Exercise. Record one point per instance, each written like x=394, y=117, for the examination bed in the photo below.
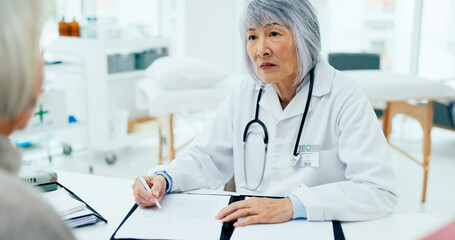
x=174, y=85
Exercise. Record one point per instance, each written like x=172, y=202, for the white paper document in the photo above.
x=62, y=202
x=72, y=223
x=80, y=218
x=295, y=229
x=182, y=216
x=74, y=212
x=84, y=212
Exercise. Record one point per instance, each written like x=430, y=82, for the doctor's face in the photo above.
x=272, y=51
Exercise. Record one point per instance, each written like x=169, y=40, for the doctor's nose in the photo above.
x=263, y=53
x=263, y=49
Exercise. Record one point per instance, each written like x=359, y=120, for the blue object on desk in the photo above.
x=53, y=62
x=72, y=119
x=24, y=144
x=33, y=139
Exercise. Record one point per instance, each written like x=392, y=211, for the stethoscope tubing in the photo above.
x=307, y=106
x=266, y=136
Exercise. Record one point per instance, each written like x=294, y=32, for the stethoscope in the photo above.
x=295, y=155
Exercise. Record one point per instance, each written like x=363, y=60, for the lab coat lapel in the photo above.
x=270, y=101
x=297, y=104
x=323, y=77
x=324, y=74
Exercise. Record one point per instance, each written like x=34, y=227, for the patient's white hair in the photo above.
x=20, y=28
x=299, y=16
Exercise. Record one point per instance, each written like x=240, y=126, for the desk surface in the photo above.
x=112, y=198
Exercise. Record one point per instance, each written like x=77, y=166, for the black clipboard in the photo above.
x=98, y=216
x=228, y=227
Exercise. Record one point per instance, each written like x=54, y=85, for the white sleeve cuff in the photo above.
x=314, y=210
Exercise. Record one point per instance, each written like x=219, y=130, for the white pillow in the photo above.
x=178, y=72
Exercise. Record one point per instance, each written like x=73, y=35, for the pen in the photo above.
x=134, y=167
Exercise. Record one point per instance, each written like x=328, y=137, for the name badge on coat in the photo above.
x=308, y=157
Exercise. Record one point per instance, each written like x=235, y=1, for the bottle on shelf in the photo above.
x=63, y=28
x=74, y=28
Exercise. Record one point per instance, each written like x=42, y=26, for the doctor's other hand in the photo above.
x=257, y=210
x=145, y=199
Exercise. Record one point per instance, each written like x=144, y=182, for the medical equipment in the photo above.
x=295, y=157
x=87, y=60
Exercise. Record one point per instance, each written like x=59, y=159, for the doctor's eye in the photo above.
x=274, y=34
x=252, y=37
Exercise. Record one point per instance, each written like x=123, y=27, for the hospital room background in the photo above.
x=137, y=80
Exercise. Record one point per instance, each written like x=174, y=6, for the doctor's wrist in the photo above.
x=162, y=179
x=168, y=180
x=288, y=208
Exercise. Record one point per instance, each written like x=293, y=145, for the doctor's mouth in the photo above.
x=267, y=66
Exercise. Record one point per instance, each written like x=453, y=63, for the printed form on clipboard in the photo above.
x=192, y=216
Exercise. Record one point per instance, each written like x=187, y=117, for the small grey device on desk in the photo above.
x=34, y=176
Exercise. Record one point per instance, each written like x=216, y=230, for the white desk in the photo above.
x=398, y=225
x=112, y=198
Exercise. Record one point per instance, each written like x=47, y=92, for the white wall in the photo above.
x=208, y=29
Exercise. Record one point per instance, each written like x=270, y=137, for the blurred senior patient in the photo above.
x=23, y=214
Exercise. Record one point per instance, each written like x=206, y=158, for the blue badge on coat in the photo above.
x=308, y=157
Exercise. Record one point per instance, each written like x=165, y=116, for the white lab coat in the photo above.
x=355, y=178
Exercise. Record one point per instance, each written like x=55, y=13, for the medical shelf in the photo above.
x=126, y=75
x=65, y=68
x=73, y=44
x=107, y=91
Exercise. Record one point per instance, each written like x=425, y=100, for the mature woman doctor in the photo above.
x=300, y=129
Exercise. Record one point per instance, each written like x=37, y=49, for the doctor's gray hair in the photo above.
x=20, y=29
x=299, y=16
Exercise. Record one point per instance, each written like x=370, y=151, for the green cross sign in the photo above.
x=308, y=148
x=41, y=113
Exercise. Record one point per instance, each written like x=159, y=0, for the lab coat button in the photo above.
x=276, y=177
x=280, y=134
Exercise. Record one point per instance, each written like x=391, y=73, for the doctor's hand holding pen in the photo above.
x=145, y=198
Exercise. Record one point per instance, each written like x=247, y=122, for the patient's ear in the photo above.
x=9, y=125
x=22, y=120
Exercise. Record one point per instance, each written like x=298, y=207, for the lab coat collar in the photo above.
x=324, y=74
x=270, y=101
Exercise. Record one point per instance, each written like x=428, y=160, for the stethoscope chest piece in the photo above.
x=294, y=160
